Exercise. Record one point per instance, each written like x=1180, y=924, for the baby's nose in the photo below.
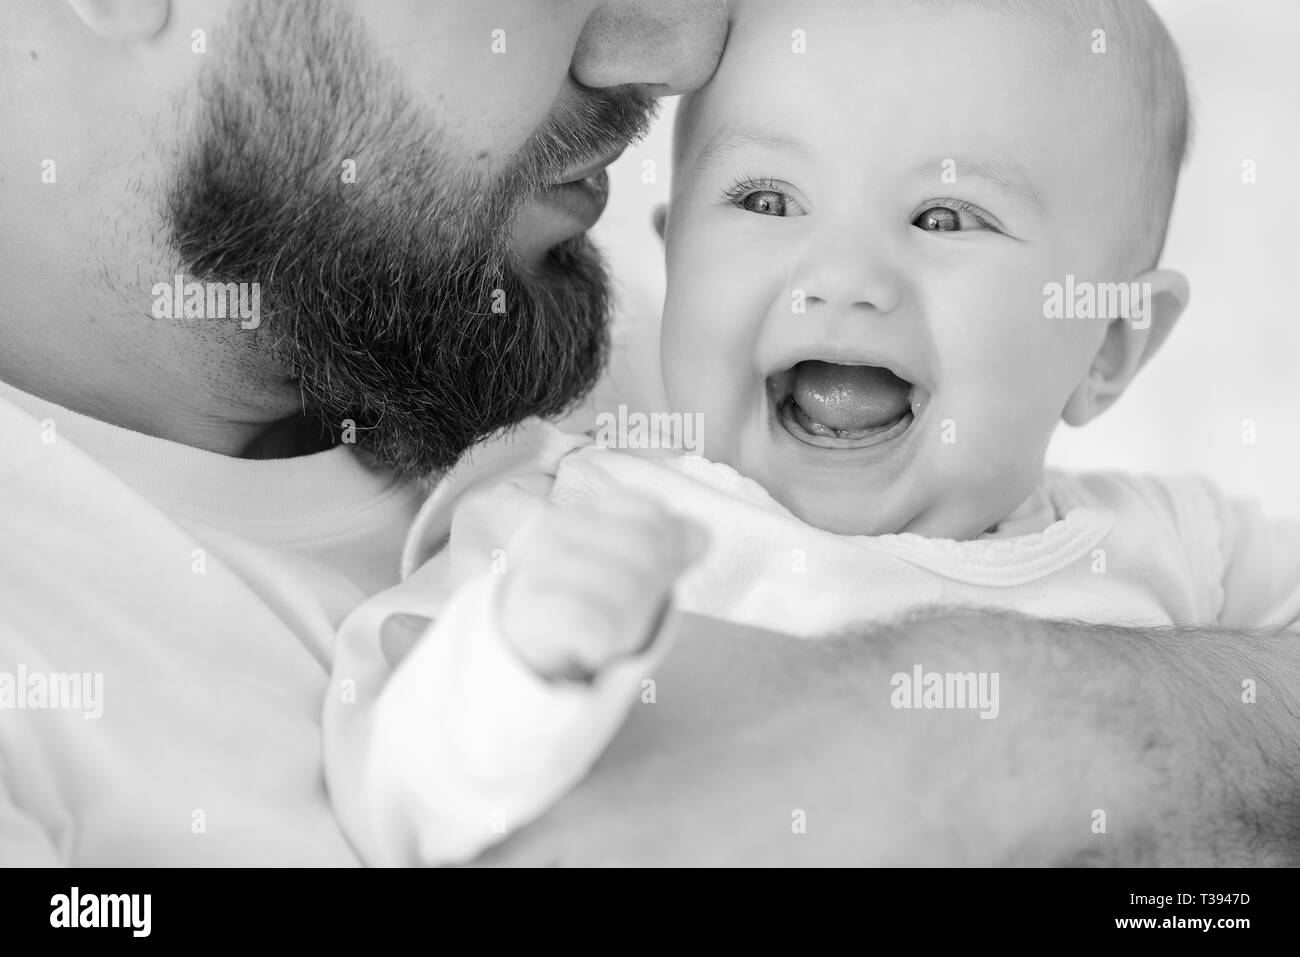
x=846, y=278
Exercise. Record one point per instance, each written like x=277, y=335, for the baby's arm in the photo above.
x=504, y=702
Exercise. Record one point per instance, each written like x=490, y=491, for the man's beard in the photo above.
x=393, y=300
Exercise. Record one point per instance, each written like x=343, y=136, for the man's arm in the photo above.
x=760, y=749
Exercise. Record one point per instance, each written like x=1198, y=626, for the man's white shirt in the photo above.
x=203, y=594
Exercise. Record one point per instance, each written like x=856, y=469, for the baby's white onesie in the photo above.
x=435, y=752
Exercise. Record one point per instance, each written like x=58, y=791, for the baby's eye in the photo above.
x=765, y=199
x=768, y=202
x=954, y=218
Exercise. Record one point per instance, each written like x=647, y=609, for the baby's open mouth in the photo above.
x=835, y=406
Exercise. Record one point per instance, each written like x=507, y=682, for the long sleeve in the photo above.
x=461, y=743
x=436, y=750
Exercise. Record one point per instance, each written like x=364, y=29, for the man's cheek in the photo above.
x=489, y=96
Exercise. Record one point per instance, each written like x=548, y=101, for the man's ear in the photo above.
x=660, y=219
x=1130, y=342
x=123, y=19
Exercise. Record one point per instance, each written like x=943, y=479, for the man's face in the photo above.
x=411, y=184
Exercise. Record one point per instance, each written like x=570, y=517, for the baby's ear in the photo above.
x=1130, y=342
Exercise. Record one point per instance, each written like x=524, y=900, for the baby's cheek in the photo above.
x=988, y=438
x=709, y=333
x=687, y=341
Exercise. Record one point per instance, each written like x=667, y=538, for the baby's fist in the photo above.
x=593, y=583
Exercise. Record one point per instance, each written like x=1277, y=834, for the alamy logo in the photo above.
x=1098, y=300
x=654, y=430
x=102, y=910
x=53, y=691
x=179, y=299
x=976, y=691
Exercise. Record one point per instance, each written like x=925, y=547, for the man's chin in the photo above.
x=417, y=390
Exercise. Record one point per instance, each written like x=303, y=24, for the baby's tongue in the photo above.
x=849, y=398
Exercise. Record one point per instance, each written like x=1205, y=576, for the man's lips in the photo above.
x=582, y=200
x=554, y=214
x=590, y=167
x=582, y=191
x=563, y=208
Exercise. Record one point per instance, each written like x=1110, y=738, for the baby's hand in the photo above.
x=594, y=582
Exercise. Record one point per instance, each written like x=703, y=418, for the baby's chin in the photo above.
x=878, y=480
x=883, y=483
x=845, y=500
x=841, y=518
x=857, y=501
x=873, y=487
x=856, y=514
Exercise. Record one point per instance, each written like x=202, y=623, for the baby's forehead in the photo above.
x=878, y=71
x=827, y=67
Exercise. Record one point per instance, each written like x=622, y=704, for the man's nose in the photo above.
x=659, y=47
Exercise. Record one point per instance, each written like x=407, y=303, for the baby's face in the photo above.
x=857, y=248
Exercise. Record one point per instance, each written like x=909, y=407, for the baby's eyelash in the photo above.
x=977, y=213
x=737, y=191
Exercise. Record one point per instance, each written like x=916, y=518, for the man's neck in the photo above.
x=287, y=437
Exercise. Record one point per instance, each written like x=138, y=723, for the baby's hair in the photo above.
x=1158, y=112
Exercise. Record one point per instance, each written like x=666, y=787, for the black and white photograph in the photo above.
x=650, y=434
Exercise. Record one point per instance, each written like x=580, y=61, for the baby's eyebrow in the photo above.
x=733, y=137
x=1004, y=175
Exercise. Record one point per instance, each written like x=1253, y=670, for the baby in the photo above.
x=906, y=239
